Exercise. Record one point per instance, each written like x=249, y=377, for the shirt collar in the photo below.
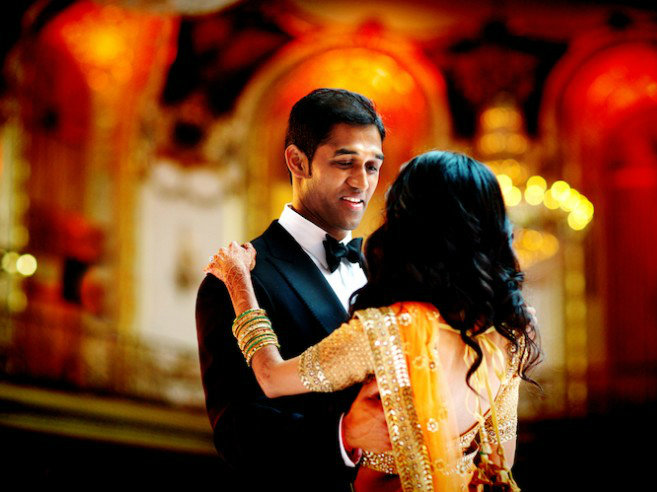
x=309, y=236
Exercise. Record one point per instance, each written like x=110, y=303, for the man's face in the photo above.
x=343, y=176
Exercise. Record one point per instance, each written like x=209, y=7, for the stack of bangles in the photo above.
x=253, y=331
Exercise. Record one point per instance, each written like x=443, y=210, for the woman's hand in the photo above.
x=231, y=264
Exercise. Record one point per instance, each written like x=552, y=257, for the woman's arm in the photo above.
x=233, y=265
x=337, y=362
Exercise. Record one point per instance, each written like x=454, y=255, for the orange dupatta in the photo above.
x=415, y=397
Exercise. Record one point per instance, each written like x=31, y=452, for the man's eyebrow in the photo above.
x=352, y=152
x=344, y=152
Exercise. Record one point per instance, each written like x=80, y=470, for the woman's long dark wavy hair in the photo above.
x=447, y=241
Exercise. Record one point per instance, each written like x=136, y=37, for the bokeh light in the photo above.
x=558, y=196
x=26, y=265
x=9, y=260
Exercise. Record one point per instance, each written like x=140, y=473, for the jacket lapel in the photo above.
x=304, y=277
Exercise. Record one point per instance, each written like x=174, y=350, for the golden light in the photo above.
x=505, y=182
x=534, y=246
x=492, y=118
x=534, y=194
x=511, y=167
x=517, y=144
x=560, y=191
x=16, y=301
x=9, y=260
x=538, y=181
x=575, y=283
x=114, y=47
x=549, y=201
x=559, y=195
x=581, y=215
x=572, y=202
x=576, y=222
x=105, y=45
x=532, y=240
x=576, y=310
x=100, y=41
x=21, y=235
x=500, y=117
x=492, y=143
x=377, y=74
x=550, y=245
x=513, y=196
x=26, y=265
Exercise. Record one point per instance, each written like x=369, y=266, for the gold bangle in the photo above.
x=247, y=323
x=256, y=348
x=246, y=316
x=244, y=340
x=245, y=330
x=253, y=331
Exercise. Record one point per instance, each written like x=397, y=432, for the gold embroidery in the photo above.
x=419, y=361
x=507, y=413
x=381, y=462
x=440, y=466
x=506, y=403
x=409, y=450
x=310, y=371
x=371, y=343
x=339, y=361
x=405, y=319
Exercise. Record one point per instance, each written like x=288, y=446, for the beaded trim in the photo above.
x=381, y=462
x=310, y=371
x=410, y=452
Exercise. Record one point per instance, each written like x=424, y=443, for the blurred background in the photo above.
x=138, y=136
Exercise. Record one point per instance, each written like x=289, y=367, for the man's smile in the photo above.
x=353, y=202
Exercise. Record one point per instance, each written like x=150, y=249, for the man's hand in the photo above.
x=364, y=426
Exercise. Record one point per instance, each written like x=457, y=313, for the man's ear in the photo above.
x=297, y=162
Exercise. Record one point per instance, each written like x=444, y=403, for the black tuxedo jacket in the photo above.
x=291, y=442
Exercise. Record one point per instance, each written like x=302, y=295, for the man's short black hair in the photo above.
x=313, y=117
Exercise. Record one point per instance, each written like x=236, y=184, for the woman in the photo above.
x=441, y=324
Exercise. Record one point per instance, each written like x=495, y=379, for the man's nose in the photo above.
x=358, y=178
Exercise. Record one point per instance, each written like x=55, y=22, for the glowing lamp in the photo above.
x=26, y=265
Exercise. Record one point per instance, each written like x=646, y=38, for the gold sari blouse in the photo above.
x=399, y=345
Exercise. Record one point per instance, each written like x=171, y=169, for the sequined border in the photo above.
x=409, y=450
x=310, y=371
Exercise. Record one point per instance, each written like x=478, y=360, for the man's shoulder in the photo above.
x=273, y=233
x=276, y=241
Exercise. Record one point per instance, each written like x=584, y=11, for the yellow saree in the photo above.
x=400, y=346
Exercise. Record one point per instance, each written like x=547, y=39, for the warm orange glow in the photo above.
x=606, y=87
x=114, y=47
x=534, y=246
x=362, y=70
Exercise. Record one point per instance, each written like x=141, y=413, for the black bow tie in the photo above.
x=335, y=251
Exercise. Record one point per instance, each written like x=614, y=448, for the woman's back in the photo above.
x=421, y=365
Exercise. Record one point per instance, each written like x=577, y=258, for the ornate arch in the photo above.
x=599, y=120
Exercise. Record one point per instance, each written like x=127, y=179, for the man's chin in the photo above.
x=352, y=224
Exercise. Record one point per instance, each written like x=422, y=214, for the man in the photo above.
x=307, y=267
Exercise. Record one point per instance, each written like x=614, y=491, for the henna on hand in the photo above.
x=232, y=265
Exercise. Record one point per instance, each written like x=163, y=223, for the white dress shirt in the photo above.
x=347, y=278
x=344, y=281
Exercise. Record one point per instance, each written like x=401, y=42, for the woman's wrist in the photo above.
x=241, y=291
